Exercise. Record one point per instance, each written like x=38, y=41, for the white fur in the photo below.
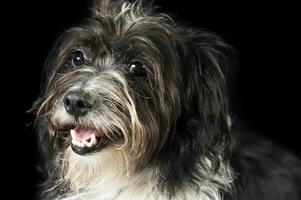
x=103, y=176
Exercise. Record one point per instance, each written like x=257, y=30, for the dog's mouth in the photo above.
x=86, y=140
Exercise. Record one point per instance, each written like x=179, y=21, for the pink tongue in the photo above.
x=81, y=134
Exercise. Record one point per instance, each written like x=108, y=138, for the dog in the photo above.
x=134, y=106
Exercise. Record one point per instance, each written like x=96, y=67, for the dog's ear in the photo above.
x=46, y=75
x=205, y=62
x=40, y=124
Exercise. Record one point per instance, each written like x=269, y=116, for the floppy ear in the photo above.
x=43, y=140
x=206, y=58
x=51, y=63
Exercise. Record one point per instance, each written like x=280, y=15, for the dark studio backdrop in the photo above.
x=264, y=86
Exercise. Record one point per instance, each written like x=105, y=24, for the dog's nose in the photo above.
x=77, y=103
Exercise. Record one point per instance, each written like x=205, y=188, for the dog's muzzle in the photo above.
x=84, y=139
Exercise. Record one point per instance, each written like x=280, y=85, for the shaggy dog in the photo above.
x=135, y=107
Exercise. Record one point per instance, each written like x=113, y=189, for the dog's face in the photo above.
x=134, y=80
x=114, y=84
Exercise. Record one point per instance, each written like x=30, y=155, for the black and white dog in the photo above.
x=135, y=107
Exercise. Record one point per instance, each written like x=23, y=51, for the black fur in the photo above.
x=264, y=170
x=183, y=96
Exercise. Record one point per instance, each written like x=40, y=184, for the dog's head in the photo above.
x=135, y=80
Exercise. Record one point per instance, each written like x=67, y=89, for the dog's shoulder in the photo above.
x=264, y=170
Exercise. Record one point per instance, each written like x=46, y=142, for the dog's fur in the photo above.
x=168, y=133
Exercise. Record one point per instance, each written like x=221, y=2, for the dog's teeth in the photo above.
x=77, y=143
x=85, y=143
x=91, y=142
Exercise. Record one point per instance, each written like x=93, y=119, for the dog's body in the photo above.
x=135, y=107
x=263, y=170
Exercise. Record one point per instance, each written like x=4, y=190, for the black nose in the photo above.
x=77, y=103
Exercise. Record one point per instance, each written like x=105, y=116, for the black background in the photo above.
x=264, y=92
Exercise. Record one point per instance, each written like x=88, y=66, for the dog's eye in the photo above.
x=137, y=69
x=78, y=59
